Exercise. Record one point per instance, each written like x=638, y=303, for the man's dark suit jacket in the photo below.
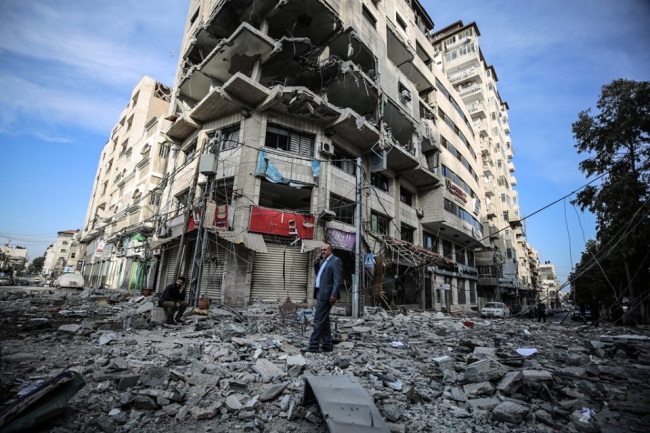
x=330, y=279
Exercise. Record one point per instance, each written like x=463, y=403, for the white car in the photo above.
x=70, y=280
x=495, y=309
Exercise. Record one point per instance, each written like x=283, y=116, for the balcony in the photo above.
x=468, y=90
x=465, y=74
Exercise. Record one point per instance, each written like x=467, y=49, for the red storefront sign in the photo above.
x=277, y=222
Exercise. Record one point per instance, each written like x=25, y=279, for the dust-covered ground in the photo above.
x=242, y=370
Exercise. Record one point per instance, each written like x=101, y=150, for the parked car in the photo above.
x=6, y=279
x=577, y=314
x=70, y=280
x=495, y=309
x=38, y=280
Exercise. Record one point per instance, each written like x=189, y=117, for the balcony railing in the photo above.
x=469, y=90
x=463, y=74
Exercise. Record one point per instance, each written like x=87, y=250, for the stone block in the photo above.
x=158, y=315
x=511, y=382
x=474, y=389
x=69, y=328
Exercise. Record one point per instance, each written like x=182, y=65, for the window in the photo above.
x=430, y=242
x=164, y=150
x=223, y=191
x=154, y=198
x=472, y=292
x=72, y=255
x=447, y=249
x=460, y=256
x=463, y=214
x=290, y=141
x=189, y=153
x=343, y=208
x=404, y=92
x=470, y=257
x=405, y=196
x=379, y=180
x=400, y=21
x=462, y=296
x=228, y=138
x=183, y=200
x=369, y=16
x=407, y=232
x=344, y=161
x=63, y=250
x=379, y=223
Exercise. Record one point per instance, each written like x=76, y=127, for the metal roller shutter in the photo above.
x=169, y=264
x=280, y=273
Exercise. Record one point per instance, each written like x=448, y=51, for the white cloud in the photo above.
x=77, y=62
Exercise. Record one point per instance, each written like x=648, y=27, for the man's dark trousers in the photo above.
x=322, y=328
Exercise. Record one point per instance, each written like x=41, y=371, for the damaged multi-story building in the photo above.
x=295, y=123
x=281, y=99
x=508, y=265
x=123, y=208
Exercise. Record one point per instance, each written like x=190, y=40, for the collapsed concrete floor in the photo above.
x=242, y=370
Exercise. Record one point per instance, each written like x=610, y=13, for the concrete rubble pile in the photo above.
x=242, y=370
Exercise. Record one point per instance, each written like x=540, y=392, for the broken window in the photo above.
x=228, y=139
x=223, y=192
x=189, y=152
x=164, y=150
x=183, y=200
x=404, y=93
x=379, y=180
x=405, y=196
x=290, y=141
x=379, y=223
x=344, y=161
x=343, y=208
x=406, y=233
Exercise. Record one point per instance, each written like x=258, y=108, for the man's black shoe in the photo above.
x=309, y=350
x=171, y=323
x=328, y=349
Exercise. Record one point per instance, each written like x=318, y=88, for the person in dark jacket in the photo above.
x=173, y=301
x=541, y=312
x=328, y=281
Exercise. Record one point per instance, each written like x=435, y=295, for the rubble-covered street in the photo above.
x=231, y=371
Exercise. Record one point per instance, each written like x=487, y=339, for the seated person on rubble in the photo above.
x=173, y=301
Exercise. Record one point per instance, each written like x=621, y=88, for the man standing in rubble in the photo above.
x=173, y=301
x=328, y=280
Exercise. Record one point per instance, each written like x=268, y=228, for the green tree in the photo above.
x=37, y=265
x=616, y=141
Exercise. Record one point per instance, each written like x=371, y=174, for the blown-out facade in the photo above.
x=296, y=123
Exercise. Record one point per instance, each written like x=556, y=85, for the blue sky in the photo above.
x=69, y=67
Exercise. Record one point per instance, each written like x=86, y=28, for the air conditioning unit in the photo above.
x=326, y=148
x=419, y=212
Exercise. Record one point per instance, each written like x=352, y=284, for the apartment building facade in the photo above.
x=549, y=285
x=269, y=116
x=63, y=255
x=508, y=265
x=124, y=206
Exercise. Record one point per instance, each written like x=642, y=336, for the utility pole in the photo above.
x=357, y=244
x=207, y=167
